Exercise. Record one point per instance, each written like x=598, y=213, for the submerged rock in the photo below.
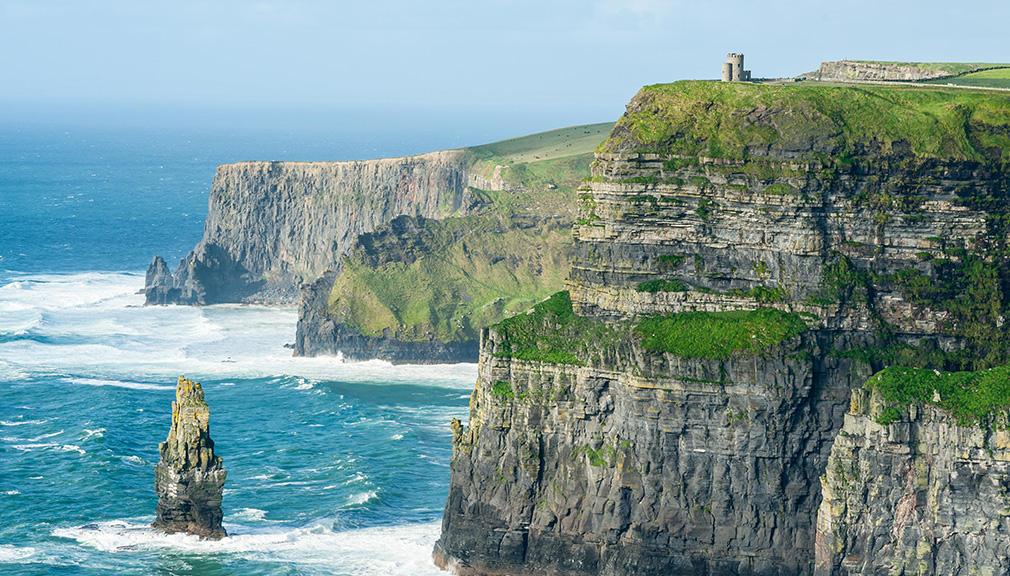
x=189, y=479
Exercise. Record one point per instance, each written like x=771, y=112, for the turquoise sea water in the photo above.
x=333, y=468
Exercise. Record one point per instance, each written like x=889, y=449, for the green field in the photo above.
x=703, y=118
x=553, y=144
x=999, y=78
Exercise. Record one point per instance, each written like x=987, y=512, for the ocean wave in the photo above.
x=403, y=550
x=21, y=422
x=119, y=384
x=10, y=553
x=49, y=446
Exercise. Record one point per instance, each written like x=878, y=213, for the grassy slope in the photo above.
x=703, y=118
x=999, y=78
x=571, y=141
x=477, y=269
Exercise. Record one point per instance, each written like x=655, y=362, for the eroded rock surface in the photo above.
x=916, y=495
x=189, y=479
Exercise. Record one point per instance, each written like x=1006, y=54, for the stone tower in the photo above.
x=735, y=60
x=732, y=69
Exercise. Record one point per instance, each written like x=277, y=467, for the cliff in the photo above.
x=272, y=225
x=420, y=289
x=919, y=487
x=402, y=259
x=745, y=255
x=867, y=71
x=189, y=478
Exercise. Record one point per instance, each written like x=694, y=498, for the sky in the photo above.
x=560, y=61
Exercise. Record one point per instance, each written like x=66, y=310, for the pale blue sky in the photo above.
x=585, y=57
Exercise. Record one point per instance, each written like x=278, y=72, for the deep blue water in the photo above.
x=333, y=468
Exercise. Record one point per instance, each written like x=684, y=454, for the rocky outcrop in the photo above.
x=916, y=494
x=857, y=71
x=321, y=334
x=272, y=225
x=189, y=478
x=710, y=198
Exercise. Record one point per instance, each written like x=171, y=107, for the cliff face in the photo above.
x=916, y=493
x=272, y=225
x=856, y=71
x=652, y=436
x=657, y=464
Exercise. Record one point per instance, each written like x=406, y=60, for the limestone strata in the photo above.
x=920, y=495
x=272, y=225
x=721, y=231
x=855, y=71
x=649, y=464
x=189, y=478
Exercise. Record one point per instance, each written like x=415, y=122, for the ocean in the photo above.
x=333, y=468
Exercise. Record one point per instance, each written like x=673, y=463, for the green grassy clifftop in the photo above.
x=741, y=121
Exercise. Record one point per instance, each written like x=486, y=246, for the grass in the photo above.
x=553, y=144
x=999, y=78
x=662, y=286
x=551, y=332
x=719, y=335
x=450, y=278
x=971, y=397
x=832, y=123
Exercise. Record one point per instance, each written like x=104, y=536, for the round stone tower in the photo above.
x=736, y=61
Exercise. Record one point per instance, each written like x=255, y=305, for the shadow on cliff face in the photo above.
x=208, y=275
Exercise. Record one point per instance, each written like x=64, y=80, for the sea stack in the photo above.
x=189, y=479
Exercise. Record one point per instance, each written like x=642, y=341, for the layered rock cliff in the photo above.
x=915, y=489
x=273, y=225
x=746, y=254
x=189, y=478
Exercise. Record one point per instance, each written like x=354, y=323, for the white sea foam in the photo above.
x=89, y=434
x=44, y=436
x=12, y=492
x=119, y=384
x=382, y=551
x=355, y=500
x=48, y=446
x=10, y=553
x=20, y=422
x=248, y=515
x=94, y=328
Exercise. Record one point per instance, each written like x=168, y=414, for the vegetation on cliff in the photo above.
x=971, y=397
x=421, y=279
x=551, y=332
x=719, y=335
x=815, y=123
